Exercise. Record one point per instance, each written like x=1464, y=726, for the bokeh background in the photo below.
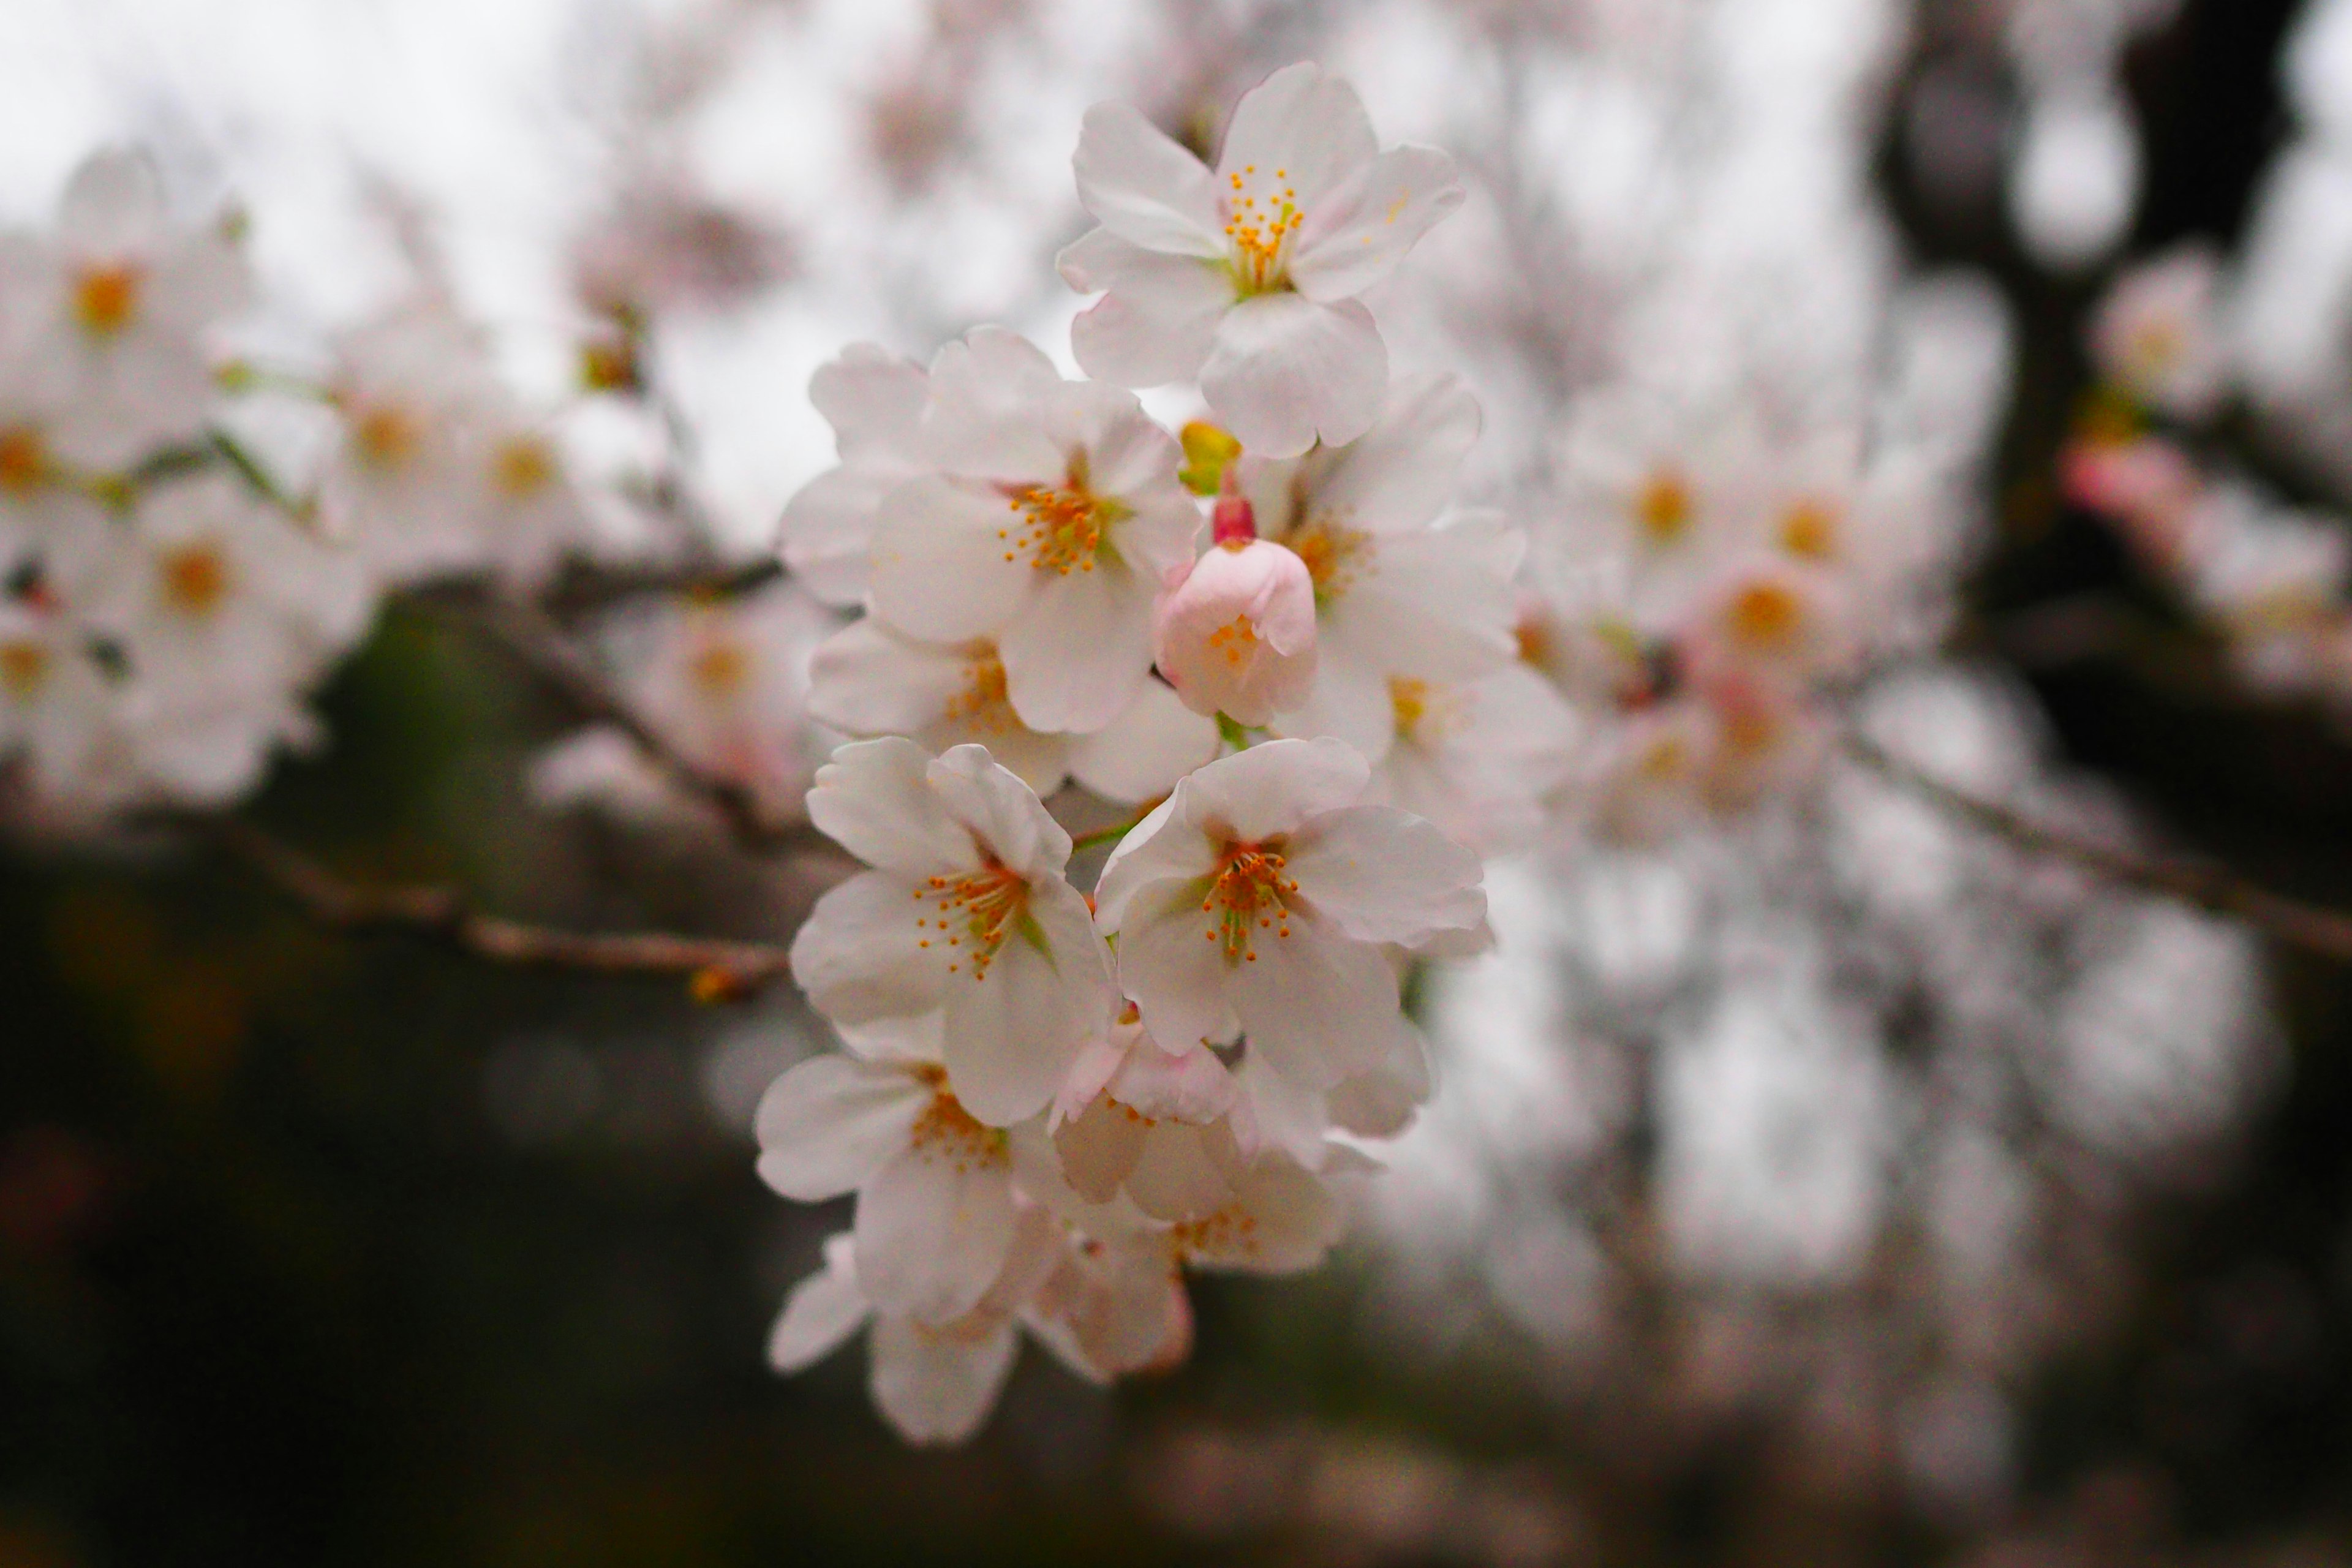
x=316, y=1250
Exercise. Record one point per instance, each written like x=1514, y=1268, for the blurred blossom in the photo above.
x=2075, y=175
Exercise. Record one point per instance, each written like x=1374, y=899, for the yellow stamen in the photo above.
x=1334, y=557
x=1765, y=617
x=24, y=459
x=1061, y=528
x=721, y=667
x=107, y=298
x=385, y=437
x=986, y=906
x=1665, y=506
x=524, y=466
x=1248, y=893
x=1809, y=530
x=23, y=667
x=983, y=707
x=195, y=579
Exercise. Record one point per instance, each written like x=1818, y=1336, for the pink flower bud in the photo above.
x=1235, y=633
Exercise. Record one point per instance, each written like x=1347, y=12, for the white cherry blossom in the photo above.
x=1479, y=758
x=966, y=913
x=1247, y=278
x=1255, y=900
x=874, y=401
x=56, y=704
x=1050, y=517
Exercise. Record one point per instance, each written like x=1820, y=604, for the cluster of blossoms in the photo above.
x=1053, y=1103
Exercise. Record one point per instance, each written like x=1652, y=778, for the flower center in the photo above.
x=1237, y=640
x=385, y=437
x=947, y=1131
x=1249, y=893
x=721, y=669
x=1060, y=527
x=195, y=579
x=1231, y=1231
x=24, y=459
x=1764, y=617
x=2156, y=346
x=106, y=299
x=524, y=466
x=1667, y=757
x=1809, y=530
x=981, y=706
x=1335, y=557
x=23, y=667
x=1259, y=228
x=983, y=908
x=1664, y=506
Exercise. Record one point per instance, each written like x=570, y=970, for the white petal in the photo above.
x=1080, y=649
x=1140, y=185
x=981, y=420
x=1351, y=701
x=1145, y=749
x=1296, y=1220
x=1354, y=235
x=871, y=397
x=823, y=1310
x=1309, y=126
x=1272, y=788
x=937, y=1387
x=827, y=532
x=1190, y=1085
x=1162, y=845
x=1402, y=472
x=1158, y=321
x=1001, y=812
x=934, y=1227
x=875, y=799
x=942, y=568
x=831, y=1122
x=1287, y=371
x=1099, y=1148
x=1318, y=1005
x=1014, y=1029
x=114, y=205
x=860, y=956
x=1384, y=875
x=867, y=679
x=1177, y=1178
x=1170, y=962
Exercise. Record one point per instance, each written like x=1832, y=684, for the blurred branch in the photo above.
x=718, y=969
x=536, y=643
x=2207, y=886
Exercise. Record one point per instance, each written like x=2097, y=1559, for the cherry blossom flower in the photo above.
x=1247, y=278
x=868, y=679
x=2157, y=335
x=1234, y=632
x=1478, y=758
x=966, y=912
x=1253, y=902
x=874, y=403
x=1133, y=1116
x=56, y=704
x=1052, y=515
x=112, y=311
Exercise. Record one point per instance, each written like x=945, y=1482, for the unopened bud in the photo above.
x=1235, y=634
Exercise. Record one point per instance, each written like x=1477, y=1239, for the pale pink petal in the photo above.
x=1287, y=371
x=935, y=1387
x=1318, y=1005
x=934, y=1227
x=1307, y=128
x=823, y=1310
x=1014, y=1028
x=1176, y=1176
x=982, y=419
x=1172, y=964
x=827, y=532
x=831, y=1122
x=1191, y=1085
x=1001, y=812
x=112, y=207
x=1162, y=845
x=1145, y=749
x=1351, y=701
x=1097, y=1148
x=1272, y=788
x=1383, y=875
x=1141, y=185
x=875, y=799
x=1401, y=473
x=860, y=954
x=868, y=679
x=1080, y=649
x=1158, y=321
x=943, y=571
x=1354, y=235
x=872, y=398
x=1295, y=1221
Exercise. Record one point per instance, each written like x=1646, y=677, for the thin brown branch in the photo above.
x=2203, y=884
x=717, y=968
x=529, y=638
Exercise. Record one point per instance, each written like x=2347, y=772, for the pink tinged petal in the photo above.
x=1041, y=762
x=114, y=207
x=1099, y=1148
x=1177, y=978
x=1142, y=185
x=1287, y=371
x=1190, y=1085
x=823, y=1310
x=827, y=532
x=1235, y=635
x=1383, y=875
x=867, y=679
x=940, y=570
x=831, y=1122
x=1401, y=473
x=1080, y=649
x=203, y=277
x=1158, y=321
x=875, y=799
x=1015, y=1026
x=1381, y=1103
x=1351, y=702
x=1295, y=1221
x=872, y=398
x=1355, y=237
x=936, y=1386
x=1309, y=127
x=1318, y=1005
x=1272, y=788
x=1146, y=749
x=982, y=418
x=1178, y=1176
x=1130, y=457
x=911, y=1041
x=1162, y=845
x=1098, y=1059
x=1003, y=815
x=935, y=1226
x=860, y=954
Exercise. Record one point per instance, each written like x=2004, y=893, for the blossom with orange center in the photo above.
x=106, y=299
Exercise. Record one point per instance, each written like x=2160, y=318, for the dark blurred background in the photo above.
x=330, y=1250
